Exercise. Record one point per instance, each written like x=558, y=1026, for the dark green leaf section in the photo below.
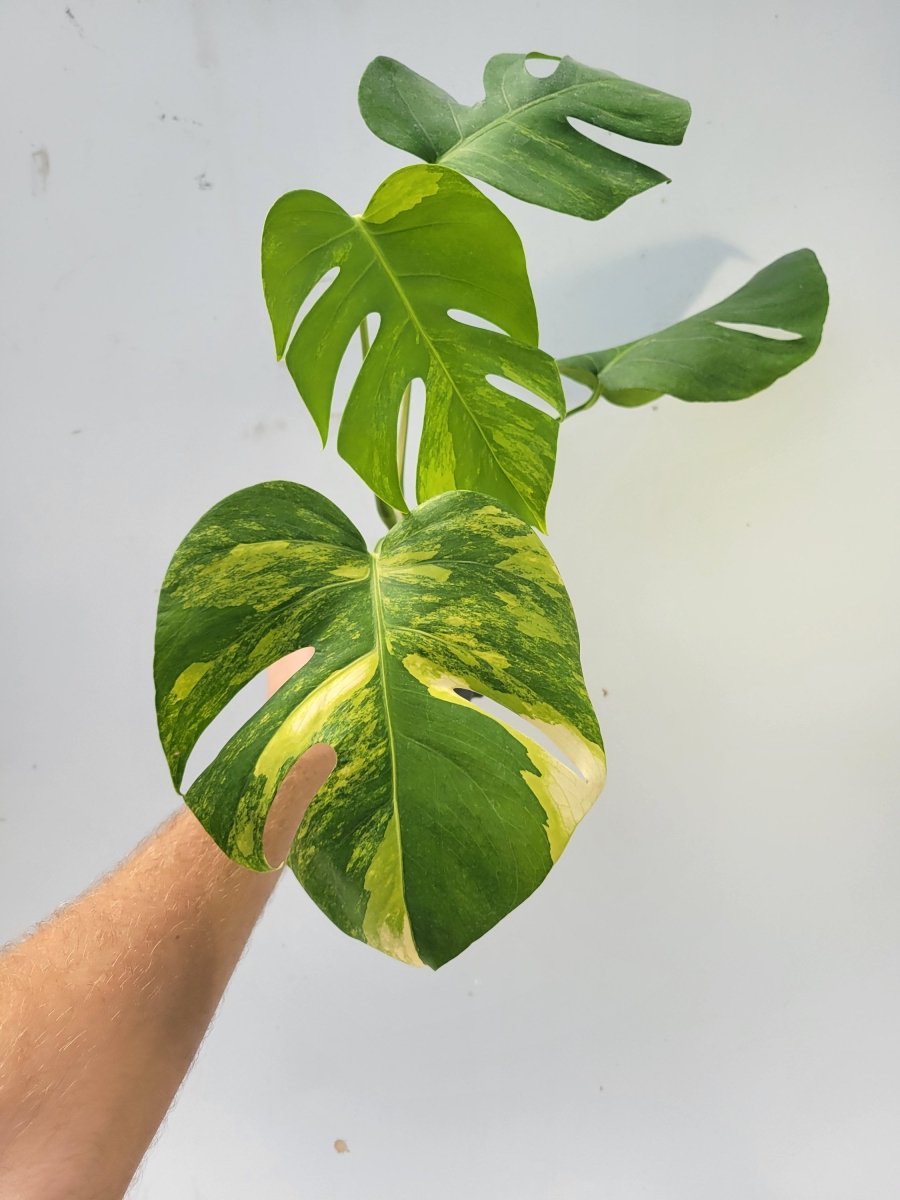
x=704, y=358
x=438, y=819
x=428, y=243
x=519, y=138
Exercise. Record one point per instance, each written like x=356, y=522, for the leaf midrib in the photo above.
x=510, y=115
x=381, y=651
x=663, y=338
x=394, y=279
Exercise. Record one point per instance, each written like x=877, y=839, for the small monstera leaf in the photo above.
x=439, y=817
x=519, y=137
x=429, y=242
x=768, y=327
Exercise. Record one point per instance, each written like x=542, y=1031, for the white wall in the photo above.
x=701, y=1002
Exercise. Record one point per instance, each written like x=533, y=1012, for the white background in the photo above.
x=702, y=1000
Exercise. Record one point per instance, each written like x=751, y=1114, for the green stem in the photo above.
x=389, y=515
x=589, y=403
x=403, y=429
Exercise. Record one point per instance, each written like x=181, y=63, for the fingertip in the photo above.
x=280, y=672
x=293, y=798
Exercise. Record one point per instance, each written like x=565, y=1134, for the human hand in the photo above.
x=304, y=778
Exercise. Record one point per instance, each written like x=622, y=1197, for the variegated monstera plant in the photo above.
x=440, y=816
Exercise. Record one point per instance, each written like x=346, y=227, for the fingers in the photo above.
x=289, y=807
x=303, y=780
x=281, y=671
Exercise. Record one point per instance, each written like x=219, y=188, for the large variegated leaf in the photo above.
x=439, y=818
x=727, y=352
x=429, y=242
x=519, y=138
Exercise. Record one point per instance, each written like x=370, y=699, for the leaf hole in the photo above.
x=238, y=711
x=619, y=143
x=349, y=368
x=769, y=332
x=541, y=66
x=462, y=317
x=314, y=294
x=502, y=384
x=595, y=133
x=373, y=324
x=415, y=423
x=521, y=724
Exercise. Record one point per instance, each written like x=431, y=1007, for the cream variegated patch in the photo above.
x=300, y=729
x=434, y=822
x=386, y=923
x=565, y=795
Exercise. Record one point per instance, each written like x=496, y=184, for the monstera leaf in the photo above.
x=519, y=137
x=767, y=328
x=429, y=242
x=439, y=817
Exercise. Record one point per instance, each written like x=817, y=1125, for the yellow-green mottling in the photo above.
x=424, y=247
x=188, y=679
x=439, y=817
x=305, y=720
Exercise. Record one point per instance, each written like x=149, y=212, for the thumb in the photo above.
x=289, y=807
x=304, y=778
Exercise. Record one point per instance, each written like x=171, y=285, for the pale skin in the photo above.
x=104, y=1005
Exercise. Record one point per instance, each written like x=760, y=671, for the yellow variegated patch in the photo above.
x=439, y=817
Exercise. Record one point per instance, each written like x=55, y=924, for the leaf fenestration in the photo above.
x=429, y=242
x=728, y=352
x=519, y=138
x=439, y=818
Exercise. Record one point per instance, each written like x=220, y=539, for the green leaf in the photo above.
x=519, y=137
x=703, y=358
x=439, y=818
x=429, y=242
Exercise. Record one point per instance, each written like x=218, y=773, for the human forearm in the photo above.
x=103, y=1007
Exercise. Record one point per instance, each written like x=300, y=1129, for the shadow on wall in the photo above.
x=614, y=302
